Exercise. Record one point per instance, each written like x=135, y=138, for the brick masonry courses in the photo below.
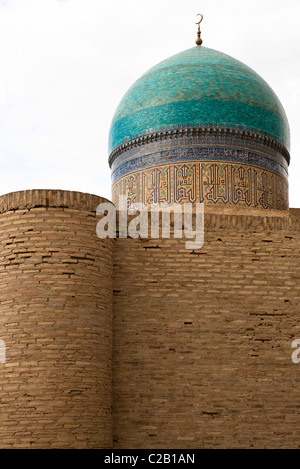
x=200, y=341
x=56, y=321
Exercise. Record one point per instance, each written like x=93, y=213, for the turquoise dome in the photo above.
x=197, y=87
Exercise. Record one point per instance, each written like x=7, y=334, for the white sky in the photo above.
x=65, y=65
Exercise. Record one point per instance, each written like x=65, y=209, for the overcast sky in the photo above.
x=65, y=65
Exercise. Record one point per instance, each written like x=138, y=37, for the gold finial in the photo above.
x=199, y=40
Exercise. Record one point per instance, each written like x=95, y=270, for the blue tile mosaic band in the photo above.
x=231, y=149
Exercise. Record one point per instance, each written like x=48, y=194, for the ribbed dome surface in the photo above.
x=199, y=86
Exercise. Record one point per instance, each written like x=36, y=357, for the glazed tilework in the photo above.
x=198, y=86
x=208, y=182
x=229, y=148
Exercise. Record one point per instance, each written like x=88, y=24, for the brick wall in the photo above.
x=56, y=321
x=202, y=339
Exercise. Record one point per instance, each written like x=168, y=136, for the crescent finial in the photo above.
x=199, y=40
x=201, y=19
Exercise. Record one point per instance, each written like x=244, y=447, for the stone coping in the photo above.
x=49, y=198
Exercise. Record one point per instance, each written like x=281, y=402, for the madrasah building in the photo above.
x=139, y=342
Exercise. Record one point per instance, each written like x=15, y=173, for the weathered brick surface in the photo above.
x=200, y=354
x=56, y=320
x=202, y=339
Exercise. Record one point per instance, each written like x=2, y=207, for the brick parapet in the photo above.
x=214, y=221
x=250, y=223
x=49, y=198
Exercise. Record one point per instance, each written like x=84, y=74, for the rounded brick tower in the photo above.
x=201, y=127
x=56, y=322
